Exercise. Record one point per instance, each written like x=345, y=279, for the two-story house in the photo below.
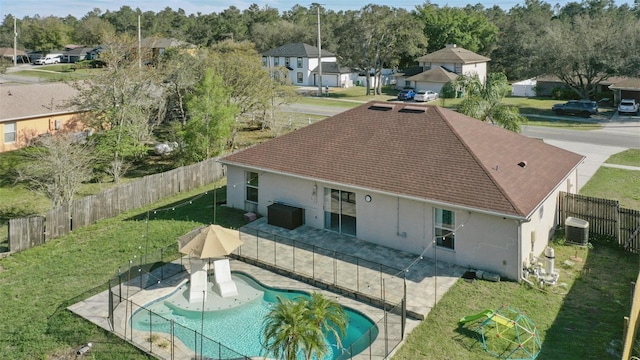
x=298, y=62
x=438, y=68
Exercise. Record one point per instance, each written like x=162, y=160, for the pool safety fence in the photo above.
x=145, y=270
x=341, y=273
x=157, y=334
x=348, y=275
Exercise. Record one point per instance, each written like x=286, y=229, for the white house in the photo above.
x=436, y=69
x=299, y=61
x=409, y=177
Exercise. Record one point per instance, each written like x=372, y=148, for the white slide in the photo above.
x=224, y=284
x=198, y=282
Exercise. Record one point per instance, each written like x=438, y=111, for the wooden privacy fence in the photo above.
x=36, y=230
x=605, y=217
x=631, y=323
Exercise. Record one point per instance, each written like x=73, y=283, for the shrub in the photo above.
x=448, y=90
x=560, y=93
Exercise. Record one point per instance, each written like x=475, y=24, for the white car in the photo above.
x=425, y=95
x=628, y=106
x=49, y=59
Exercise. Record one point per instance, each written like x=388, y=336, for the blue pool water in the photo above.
x=240, y=327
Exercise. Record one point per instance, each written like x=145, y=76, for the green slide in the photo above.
x=485, y=313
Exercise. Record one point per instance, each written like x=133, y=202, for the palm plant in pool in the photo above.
x=301, y=325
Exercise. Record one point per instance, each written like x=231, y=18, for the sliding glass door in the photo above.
x=340, y=211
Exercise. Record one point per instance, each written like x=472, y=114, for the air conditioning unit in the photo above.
x=576, y=231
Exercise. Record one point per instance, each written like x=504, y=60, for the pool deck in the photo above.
x=423, y=288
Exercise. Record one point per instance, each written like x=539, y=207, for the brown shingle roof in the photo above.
x=453, y=55
x=438, y=155
x=30, y=100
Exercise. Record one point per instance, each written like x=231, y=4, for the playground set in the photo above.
x=507, y=333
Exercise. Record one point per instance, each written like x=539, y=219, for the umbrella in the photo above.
x=209, y=241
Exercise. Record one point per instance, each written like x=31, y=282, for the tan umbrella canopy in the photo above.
x=209, y=242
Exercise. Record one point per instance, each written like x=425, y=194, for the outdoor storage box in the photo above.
x=285, y=216
x=577, y=231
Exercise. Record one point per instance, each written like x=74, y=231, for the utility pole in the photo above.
x=319, y=52
x=139, y=45
x=15, y=43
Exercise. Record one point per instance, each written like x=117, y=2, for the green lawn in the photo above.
x=62, y=72
x=579, y=319
x=629, y=157
x=38, y=284
x=616, y=184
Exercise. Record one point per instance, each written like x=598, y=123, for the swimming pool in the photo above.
x=239, y=327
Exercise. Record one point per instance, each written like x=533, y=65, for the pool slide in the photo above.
x=484, y=313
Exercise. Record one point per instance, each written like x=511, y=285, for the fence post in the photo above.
x=172, y=338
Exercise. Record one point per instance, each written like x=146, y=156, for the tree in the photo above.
x=377, y=37
x=301, y=325
x=44, y=34
x=57, y=166
x=91, y=30
x=483, y=101
x=467, y=28
x=518, y=40
x=251, y=87
x=328, y=315
x=211, y=119
x=125, y=104
x=583, y=65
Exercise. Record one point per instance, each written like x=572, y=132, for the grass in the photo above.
x=629, y=157
x=63, y=72
x=616, y=184
x=580, y=319
x=38, y=284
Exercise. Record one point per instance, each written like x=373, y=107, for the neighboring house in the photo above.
x=524, y=88
x=436, y=69
x=298, y=62
x=73, y=55
x=618, y=87
x=625, y=88
x=8, y=53
x=334, y=75
x=28, y=111
x=157, y=46
x=94, y=54
x=407, y=176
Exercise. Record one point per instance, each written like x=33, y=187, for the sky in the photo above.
x=77, y=8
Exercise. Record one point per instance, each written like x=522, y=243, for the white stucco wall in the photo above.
x=479, y=69
x=482, y=241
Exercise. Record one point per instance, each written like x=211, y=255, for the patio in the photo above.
x=423, y=289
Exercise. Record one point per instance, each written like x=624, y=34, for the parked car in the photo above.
x=628, y=106
x=406, y=94
x=49, y=59
x=425, y=95
x=584, y=108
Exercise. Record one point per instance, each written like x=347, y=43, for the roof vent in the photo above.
x=381, y=107
x=522, y=164
x=413, y=109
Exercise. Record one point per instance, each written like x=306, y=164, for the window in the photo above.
x=276, y=61
x=340, y=211
x=299, y=77
x=252, y=181
x=9, y=132
x=264, y=61
x=286, y=62
x=299, y=63
x=444, y=226
x=407, y=83
x=457, y=68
